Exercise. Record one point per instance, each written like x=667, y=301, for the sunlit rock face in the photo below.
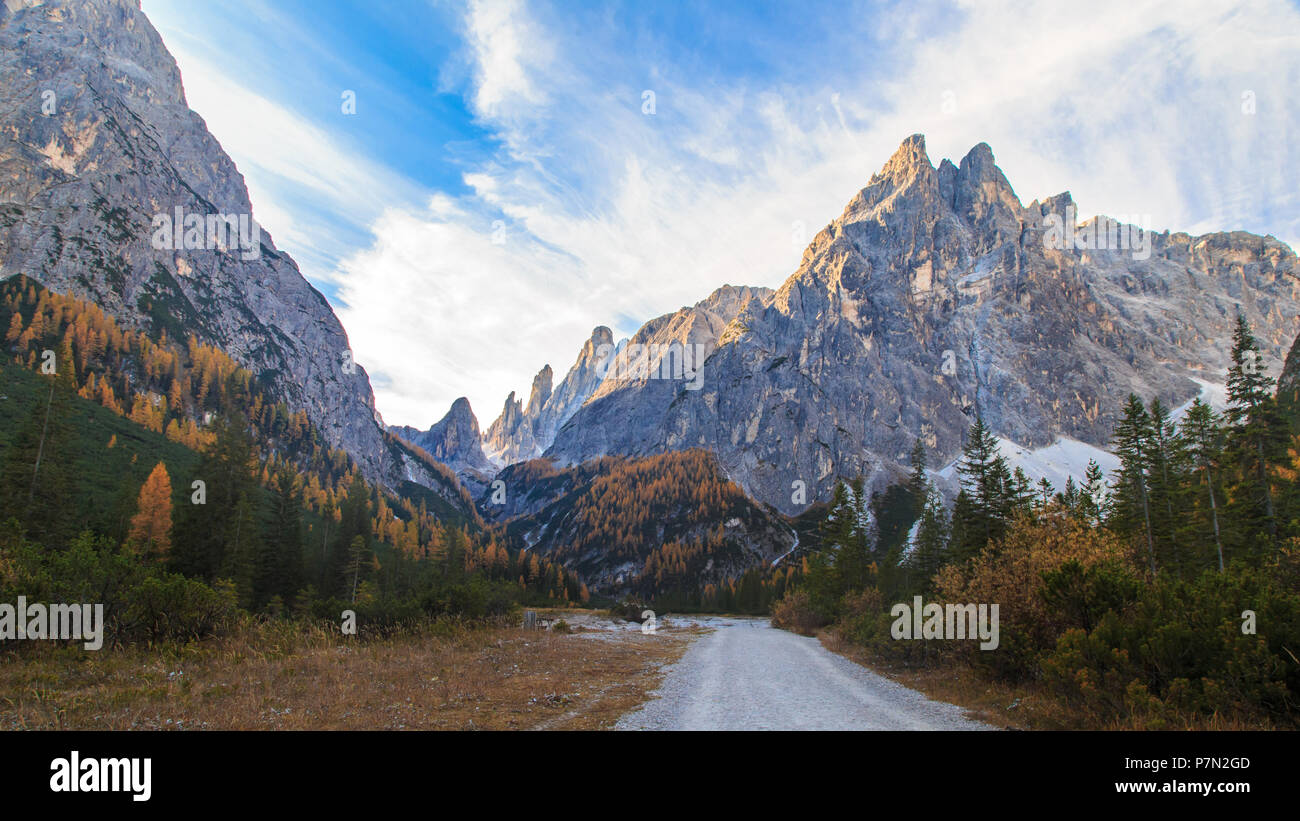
x=937, y=294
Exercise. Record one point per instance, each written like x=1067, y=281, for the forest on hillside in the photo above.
x=156, y=476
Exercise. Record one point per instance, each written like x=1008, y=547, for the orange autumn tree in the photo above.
x=151, y=526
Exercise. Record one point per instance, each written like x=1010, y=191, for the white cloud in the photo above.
x=1134, y=106
x=304, y=183
x=508, y=49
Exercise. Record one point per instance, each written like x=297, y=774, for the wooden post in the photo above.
x=530, y=619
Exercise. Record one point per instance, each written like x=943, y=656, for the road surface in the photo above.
x=748, y=675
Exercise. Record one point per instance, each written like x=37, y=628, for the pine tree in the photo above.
x=932, y=534
x=242, y=549
x=204, y=531
x=1045, y=491
x=358, y=561
x=354, y=521
x=853, y=558
x=280, y=568
x=1167, y=485
x=918, y=483
x=1070, y=496
x=1092, y=494
x=1022, y=492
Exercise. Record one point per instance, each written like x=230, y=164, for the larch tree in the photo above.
x=151, y=526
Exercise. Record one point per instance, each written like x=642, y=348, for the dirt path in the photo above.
x=747, y=675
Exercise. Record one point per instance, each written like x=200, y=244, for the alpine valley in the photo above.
x=691, y=454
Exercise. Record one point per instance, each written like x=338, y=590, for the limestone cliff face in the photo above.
x=937, y=295
x=456, y=442
x=97, y=143
x=520, y=433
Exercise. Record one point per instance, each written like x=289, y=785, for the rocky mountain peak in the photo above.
x=97, y=144
x=936, y=296
x=909, y=160
x=600, y=337
x=463, y=414
x=541, y=390
x=456, y=442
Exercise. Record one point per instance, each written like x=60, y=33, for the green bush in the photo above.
x=1181, y=650
x=172, y=607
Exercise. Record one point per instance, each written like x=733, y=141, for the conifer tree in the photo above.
x=1166, y=483
x=1256, y=439
x=280, y=568
x=932, y=535
x=984, y=503
x=205, y=522
x=150, y=533
x=1203, y=440
x=1130, y=502
x=1044, y=493
x=1092, y=494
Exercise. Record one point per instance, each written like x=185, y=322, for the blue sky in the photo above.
x=502, y=188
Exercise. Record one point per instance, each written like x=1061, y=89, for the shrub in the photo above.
x=171, y=606
x=1036, y=566
x=1180, y=650
x=794, y=612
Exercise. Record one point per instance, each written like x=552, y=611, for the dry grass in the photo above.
x=294, y=677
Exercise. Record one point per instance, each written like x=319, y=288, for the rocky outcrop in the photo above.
x=521, y=433
x=661, y=358
x=454, y=441
x=937, y=295
x=112, y=190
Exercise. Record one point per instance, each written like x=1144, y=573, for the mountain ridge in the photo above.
x=938, y=292
x=98, y=146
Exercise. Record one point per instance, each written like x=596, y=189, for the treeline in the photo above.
x=1164, y=595
x=265, y=518
x=671, y=579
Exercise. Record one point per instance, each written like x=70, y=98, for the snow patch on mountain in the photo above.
x=1059, y=461
x=1214, y=394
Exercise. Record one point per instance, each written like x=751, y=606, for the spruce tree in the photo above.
x=280, y=567
x=1130, y=501
x=205, y=528
x=1257, y=439
x=1044, y=493
x=354, y=521
x=1167, y=483
x=981, y=516
x=930, y=548
x=1092, y=494
x=1203, y=439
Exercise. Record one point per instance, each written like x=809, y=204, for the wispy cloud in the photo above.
x=580, y=206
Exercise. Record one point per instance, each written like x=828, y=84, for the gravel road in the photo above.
x=747, y=675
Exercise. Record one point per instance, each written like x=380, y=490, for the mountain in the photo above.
x=520, y=433
x=454, y=441
x=670, y=523
x=662, y=344
x=112, y=190
x=934, y=296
